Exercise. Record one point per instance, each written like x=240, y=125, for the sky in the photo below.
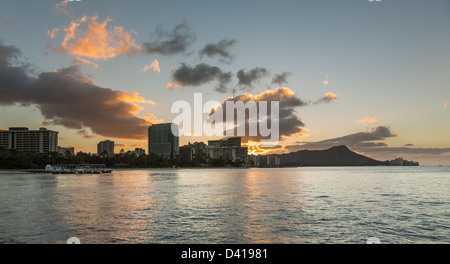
x=370, y=75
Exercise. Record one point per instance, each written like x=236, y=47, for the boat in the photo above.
x=77, y=169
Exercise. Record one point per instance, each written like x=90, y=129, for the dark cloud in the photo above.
x=290, y=123
x=357, y=140
x=65, y=97
x=249, y=78
x=85, y=134
x=409, y=151
x=219, y=49
x=373, y=145
x=7, y=54
x=280, y=79
x=200, y=74
x=173, y=42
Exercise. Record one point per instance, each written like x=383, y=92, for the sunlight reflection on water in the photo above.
x=295, y=205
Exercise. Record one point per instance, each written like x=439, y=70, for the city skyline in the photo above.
x=369, y=75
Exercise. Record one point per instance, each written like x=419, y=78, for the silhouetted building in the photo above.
x=136, y=152
x=66, y=152
x=226, y=142
x=106, y=147
x=190, y=151
x=162, y=141
x=21, y=138
x=227, y=148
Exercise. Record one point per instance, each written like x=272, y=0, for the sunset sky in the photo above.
x=374, y=76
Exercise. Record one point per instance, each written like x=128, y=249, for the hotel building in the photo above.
x=23, y=139
x=107, y=147
x=162, y=141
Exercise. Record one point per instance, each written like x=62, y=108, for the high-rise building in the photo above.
x=107, y=147
x=228, y=148
x=137, y=152
x=21, y=138
x=162, y=141
x=190, y=151
x=66, y=152
x=226, y=142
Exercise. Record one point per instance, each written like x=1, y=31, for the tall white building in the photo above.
x=21, y=138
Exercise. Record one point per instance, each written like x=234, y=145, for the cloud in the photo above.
x=290, y=123
x=410, y=151
x=79, y=60
x=154, y=66
x=327, y=98
x=186, y=75
x=357, y=140
x=65, y=97
x=373, y=144
x=8, y=54
x=7, y=20
x=97, y=42
x=153, y=119
x=325, y=82
x=445, y=104
x=219, y=49
x=368, y=119
x=280, y=79
x=84, y=133
x=62, y=6
x=173, y=86
x=52, y=33
x=174, y=42
x=255, y=148
x=250, y=78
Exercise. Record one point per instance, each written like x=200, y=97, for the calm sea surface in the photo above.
x=222, y=206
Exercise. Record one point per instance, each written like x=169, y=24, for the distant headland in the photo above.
x=335, y=156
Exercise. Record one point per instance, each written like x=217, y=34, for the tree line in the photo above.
x=14, y=159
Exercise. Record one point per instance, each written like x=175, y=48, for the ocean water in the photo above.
x=407, y=205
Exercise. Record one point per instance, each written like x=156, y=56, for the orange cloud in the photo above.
x=52, y=33
x=86, y=62
x=133, y=98
x=254, y=148
x=368, y=120
x=153, y=119
x=445, y=104
x=154, y=66
x=62, y=6
x=9, y=22
x=173, y=86
x=97, y=42
x=325, y=83
x=330, y=96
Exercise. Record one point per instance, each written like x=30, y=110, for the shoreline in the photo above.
x=12, y=172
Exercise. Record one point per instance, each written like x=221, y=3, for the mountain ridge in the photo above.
x=334, y=156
